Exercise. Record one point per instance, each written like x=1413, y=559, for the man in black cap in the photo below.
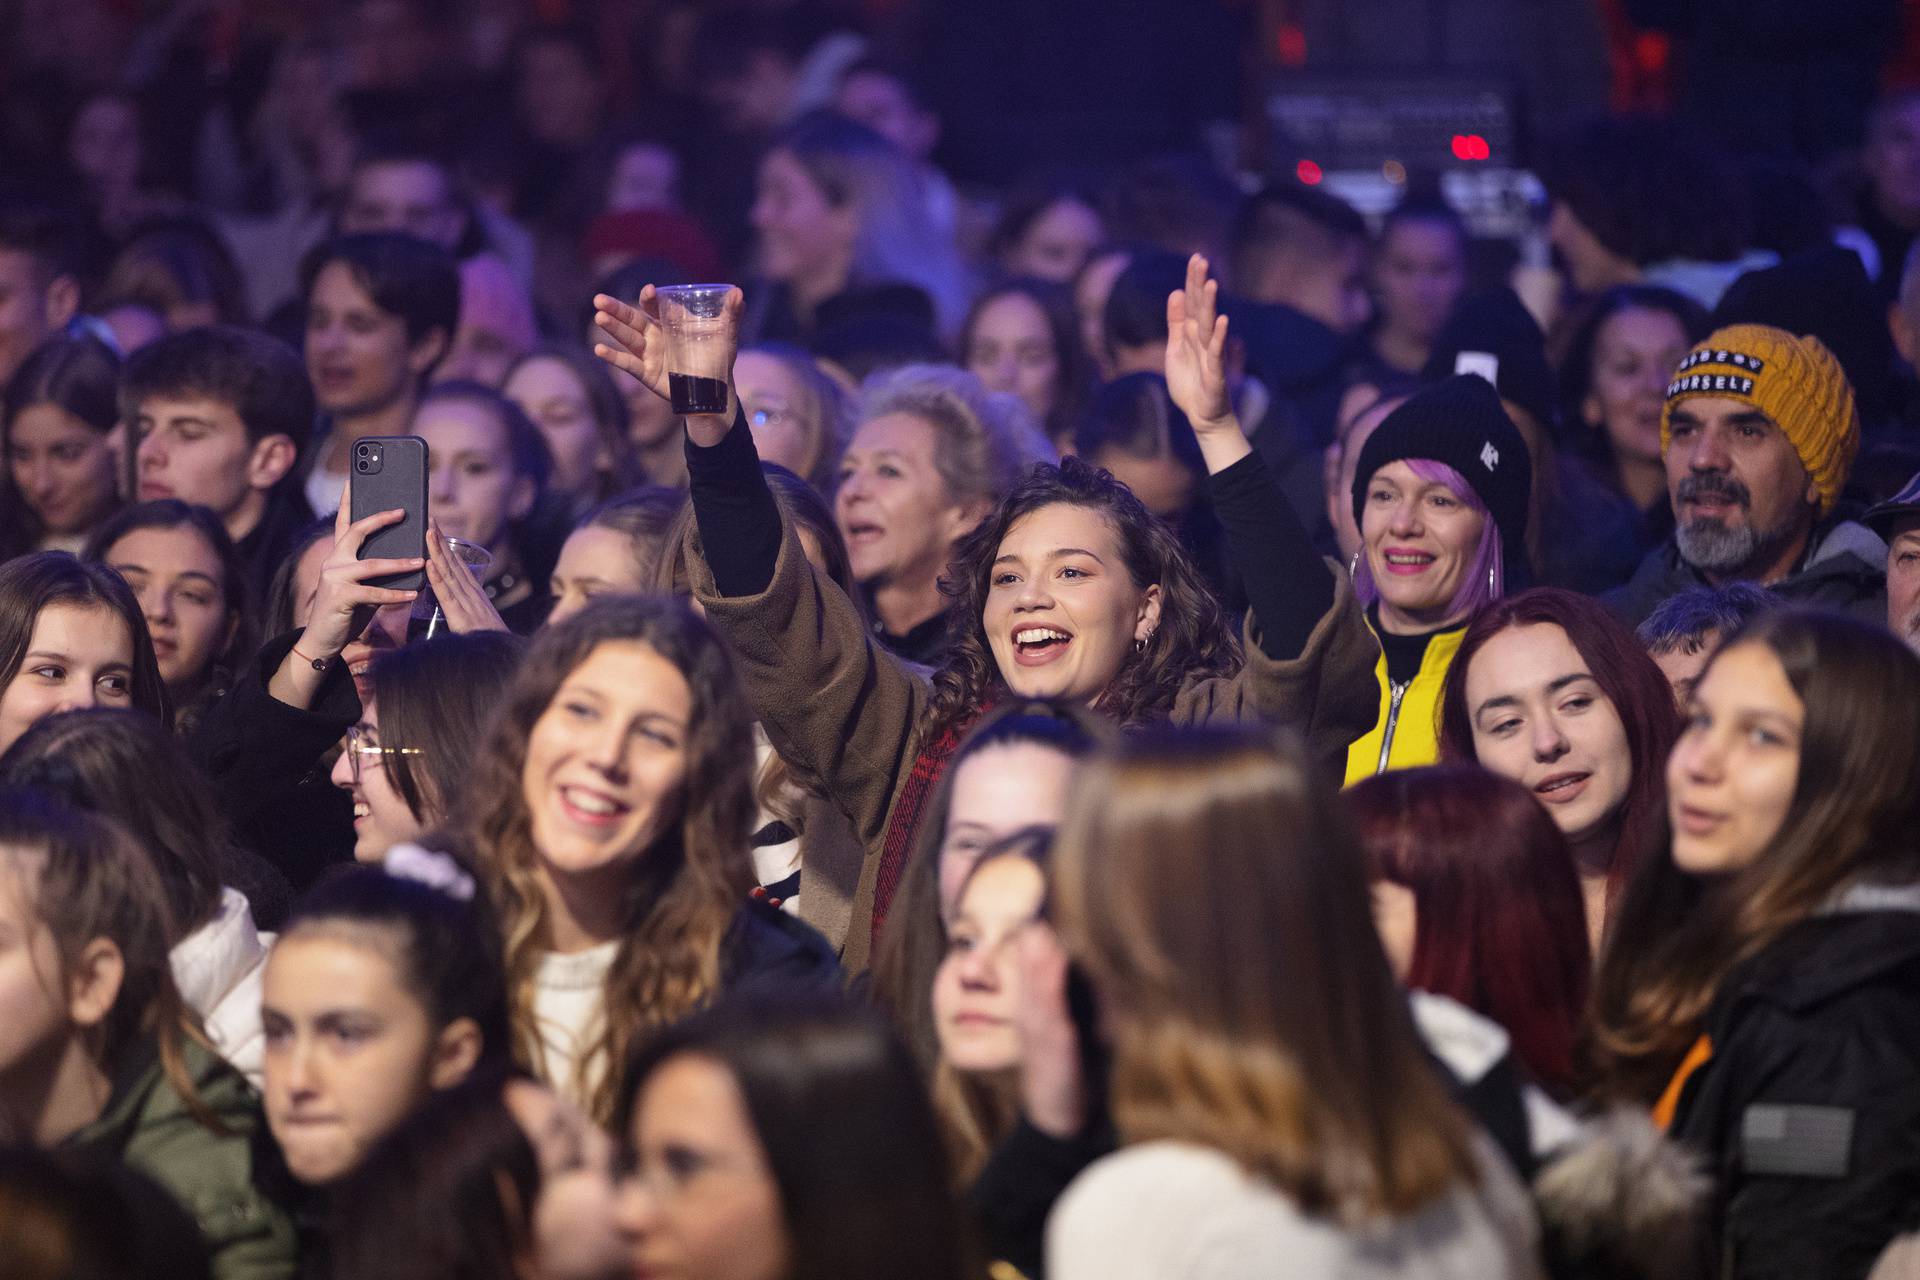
x=1897, y=521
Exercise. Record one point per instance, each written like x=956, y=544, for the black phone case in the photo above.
x=390, y=473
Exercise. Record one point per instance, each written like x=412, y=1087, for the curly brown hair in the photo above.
x=683, y=894
x=1193, y=641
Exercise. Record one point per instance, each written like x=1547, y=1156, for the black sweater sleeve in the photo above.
x=1287, y=583
x=739, y=523
x=1017, y=1188
x=249, y=741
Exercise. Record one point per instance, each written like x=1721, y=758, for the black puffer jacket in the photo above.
x=1809, y=1110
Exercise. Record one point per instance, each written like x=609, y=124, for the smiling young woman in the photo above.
x=58, y=454
x=1440, y=498
x=1068, y=589
x=1551, y=690
x=610, y=811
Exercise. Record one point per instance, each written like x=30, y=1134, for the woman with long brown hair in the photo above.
x=1763, y=979
x=1551, y=690
x=71, y=636
x=1272, y=1095
x=1068, y=589
x=610, y=811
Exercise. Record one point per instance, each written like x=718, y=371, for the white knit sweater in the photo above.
x=1177, y=1211
x=569, y=1009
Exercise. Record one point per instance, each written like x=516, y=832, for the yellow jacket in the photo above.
x=1407, y=734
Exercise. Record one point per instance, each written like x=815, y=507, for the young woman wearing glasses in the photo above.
x=404, y=757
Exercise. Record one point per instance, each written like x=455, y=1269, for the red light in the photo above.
x=1291, y=46
x=1651, y=50
x=1471, y=146
x=1308, y=172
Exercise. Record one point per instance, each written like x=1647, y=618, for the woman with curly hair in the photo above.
x=610, y=811
x=1069, y=589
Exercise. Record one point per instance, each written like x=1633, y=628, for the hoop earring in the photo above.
x=1140, y=644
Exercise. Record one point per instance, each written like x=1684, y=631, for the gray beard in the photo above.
x=1712, y=547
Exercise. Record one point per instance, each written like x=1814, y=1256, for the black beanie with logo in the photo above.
x=1460, y=421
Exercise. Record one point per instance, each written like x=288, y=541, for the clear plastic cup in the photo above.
x=700, y=343
x=426, y=619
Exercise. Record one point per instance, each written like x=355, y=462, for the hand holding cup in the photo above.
x=680, y=342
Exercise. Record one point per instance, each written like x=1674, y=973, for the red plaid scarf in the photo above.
x=903, y=824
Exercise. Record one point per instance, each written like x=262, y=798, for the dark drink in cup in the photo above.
x=694, y=394
x=700, y=342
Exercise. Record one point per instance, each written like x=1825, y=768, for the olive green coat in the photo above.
x=146, y=1124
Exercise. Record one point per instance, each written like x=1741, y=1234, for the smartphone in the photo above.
x=389, y=474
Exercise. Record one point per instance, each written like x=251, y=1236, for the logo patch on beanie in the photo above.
x=1720, y=355
x=1489, y=456
x=1729, y=382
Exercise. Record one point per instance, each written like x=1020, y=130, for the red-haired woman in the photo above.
x=1551, y=690
x=1477, y=899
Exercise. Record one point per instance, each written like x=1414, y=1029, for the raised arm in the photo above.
x=835, y=704
x=1289, y=586
x=739, y=521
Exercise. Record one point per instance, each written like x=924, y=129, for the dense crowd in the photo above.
x=1165, y=728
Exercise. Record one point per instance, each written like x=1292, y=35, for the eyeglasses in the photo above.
x=359, y=748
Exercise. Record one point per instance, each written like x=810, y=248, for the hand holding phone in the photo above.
x=345, y=597
x=390, y=474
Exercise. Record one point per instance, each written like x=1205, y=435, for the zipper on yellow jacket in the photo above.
x=1406, y=734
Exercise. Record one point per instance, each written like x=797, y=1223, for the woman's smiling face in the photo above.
x=606, y=760
x=1063, y=611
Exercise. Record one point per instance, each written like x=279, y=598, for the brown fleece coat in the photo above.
x=838, y=706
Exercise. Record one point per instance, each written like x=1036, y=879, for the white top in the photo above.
x=1177, y=1211
x=323, y=489
x=569, y=1011
x=1472, y=1045
x=773, y=863
x=218, y=968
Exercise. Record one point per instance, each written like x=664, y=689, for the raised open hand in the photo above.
x=1196, y=348
x=635, y=342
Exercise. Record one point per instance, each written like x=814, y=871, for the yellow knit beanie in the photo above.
x=1794, y=381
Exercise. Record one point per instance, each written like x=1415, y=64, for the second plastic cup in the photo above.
x=426, y=619
x=699, y=345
